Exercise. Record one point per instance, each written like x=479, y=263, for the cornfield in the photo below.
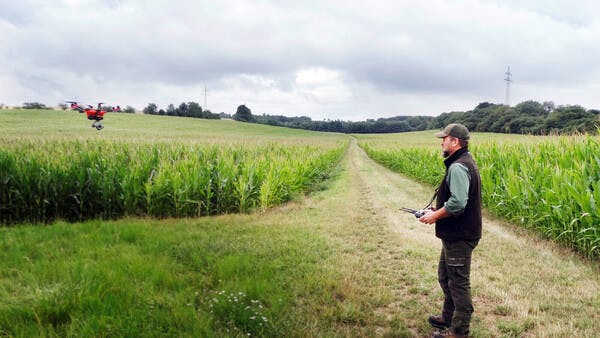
x=552, y=186
x=41, y=181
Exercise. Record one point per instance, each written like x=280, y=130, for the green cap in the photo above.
x=455, y=130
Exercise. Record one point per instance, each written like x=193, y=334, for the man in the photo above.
x=457, y=218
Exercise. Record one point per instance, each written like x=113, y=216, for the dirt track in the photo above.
x=522, y=285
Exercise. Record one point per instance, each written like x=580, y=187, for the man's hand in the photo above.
x=431, y=215
x=428, y=218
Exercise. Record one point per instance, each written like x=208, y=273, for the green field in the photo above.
x=54, y=124
x=332, y=258
x=56, y=175
x=551, y=184
x=55, y=166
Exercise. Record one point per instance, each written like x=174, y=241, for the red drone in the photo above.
x=96, y=115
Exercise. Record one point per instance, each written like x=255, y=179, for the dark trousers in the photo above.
x=454, y=276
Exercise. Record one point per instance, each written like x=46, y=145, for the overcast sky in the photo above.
x=349, y=60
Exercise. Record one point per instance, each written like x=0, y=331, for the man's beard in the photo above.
x=445, y=153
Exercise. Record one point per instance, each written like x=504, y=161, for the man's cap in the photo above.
x=455, y=130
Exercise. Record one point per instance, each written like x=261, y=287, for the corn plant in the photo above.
x=552, y=185
x=77, y=180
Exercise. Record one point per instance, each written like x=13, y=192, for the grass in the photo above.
x=234, y=275
x=284, y=272
x=150, y=278
x=57, y=124
x=342, y=262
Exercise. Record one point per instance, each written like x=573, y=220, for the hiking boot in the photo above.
x=438, y=322
x=448, y=334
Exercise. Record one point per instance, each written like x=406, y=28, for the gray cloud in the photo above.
x=333, y=59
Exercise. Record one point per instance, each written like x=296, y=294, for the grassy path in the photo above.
x=522, y=286
x=342, y=262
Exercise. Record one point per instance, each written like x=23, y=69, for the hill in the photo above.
x=527, y=117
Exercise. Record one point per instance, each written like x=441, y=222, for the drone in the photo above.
x=96, y=115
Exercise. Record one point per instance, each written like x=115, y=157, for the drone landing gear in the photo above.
x=98, y=125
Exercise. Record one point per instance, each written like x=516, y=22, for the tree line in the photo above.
x=528, y=117
x=64, y=106
x=190, y=109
